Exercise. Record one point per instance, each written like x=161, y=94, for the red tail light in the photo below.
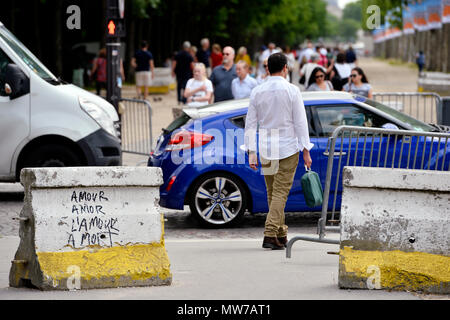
x=170, y=184
x=188, y=140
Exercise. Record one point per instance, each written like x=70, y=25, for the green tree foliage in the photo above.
x=165, y=24
x=385, y=5
x=353, y=11
x=348, y=29
x=140, y=7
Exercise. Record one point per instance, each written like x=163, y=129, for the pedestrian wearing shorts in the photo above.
x=144, y=68
x=276, y=108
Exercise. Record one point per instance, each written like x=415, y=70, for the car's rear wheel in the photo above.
x=218, y=200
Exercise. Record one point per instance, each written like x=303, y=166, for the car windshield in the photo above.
x=416, y=124
x=26, y=56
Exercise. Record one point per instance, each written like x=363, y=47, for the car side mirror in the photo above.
x=17, y=83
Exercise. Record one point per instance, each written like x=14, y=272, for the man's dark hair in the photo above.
x=144, y=44
x=340, y=58
x=276, y=62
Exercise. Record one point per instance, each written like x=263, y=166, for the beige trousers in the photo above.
x=279, y=176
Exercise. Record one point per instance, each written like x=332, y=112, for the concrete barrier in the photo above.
x=395, y=230
x=434, y=82
x=91, y=227
x=162, y=82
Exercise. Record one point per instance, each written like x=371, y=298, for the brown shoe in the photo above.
x=272, y=243
x=283, y=241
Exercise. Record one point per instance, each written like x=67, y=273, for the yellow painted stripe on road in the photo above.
x=398, y=269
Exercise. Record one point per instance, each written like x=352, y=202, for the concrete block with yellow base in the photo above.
x=162, y=82
x=91, y=227
x=394, y=230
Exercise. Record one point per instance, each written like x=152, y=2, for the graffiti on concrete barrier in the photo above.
x=91, y=224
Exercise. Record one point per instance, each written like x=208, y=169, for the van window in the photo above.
x=4, y=61
x=26, y=56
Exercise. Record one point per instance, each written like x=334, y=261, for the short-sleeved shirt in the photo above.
x=243, y=89
x=203, y=57
x=362, y=90
x=216, y=59
x=315, y=87
x=183, y=68
x=143, y=58
x=194, y=84
x=350, y=56
x=221, y=79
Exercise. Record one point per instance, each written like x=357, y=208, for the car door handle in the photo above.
x=336, y=153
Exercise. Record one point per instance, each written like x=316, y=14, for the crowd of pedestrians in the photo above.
x=209, y=74
x=326, y=69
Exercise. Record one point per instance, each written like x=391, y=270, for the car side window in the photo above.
x=239, y=121
x=4, y=61
x=331, y=117
x=311, y=127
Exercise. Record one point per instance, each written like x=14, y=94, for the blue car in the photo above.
x=205, y=165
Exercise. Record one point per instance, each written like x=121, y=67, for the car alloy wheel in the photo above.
x=219, y=200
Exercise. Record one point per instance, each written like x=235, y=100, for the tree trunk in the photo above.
x=130, y=40
x=58, y=5
x=103, y=24
x=37, y=35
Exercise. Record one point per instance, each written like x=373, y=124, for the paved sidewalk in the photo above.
x=223, y=269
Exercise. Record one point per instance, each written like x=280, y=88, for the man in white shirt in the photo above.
x=276, y=106
x=242, y=86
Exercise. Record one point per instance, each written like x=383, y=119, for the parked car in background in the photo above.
x=205, y=165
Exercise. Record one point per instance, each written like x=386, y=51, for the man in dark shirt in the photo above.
x=144, y=68
x=182, y=68
x=223, y=75
x=204, y=54
x=350, y=57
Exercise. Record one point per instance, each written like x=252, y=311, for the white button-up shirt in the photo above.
x=243, y=89
x=277, y=112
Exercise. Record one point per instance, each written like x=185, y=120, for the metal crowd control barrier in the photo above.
x=373, y=147
x=424, y=106
x=136, y=126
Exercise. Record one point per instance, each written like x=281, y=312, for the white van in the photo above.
x=47, y=123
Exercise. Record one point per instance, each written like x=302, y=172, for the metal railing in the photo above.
x=424, y=106
x=373, y=147
x=136, y=126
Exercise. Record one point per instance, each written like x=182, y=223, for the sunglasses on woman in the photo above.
x=353, y=75
x=320, y=76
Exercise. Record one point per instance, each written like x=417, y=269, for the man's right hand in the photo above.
x=307, y=158
x=253, y=160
